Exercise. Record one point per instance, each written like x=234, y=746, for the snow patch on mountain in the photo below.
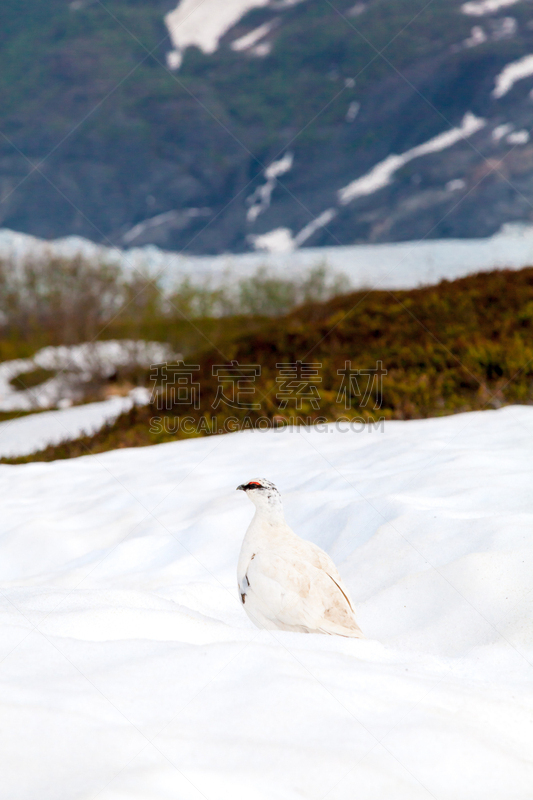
x=174, y=219
x=511, y=74
x=279, y=240
x=315, y=225
x=259, y=200
x=477, y=37
x=455, y=185
x=247, y=41
x=203, y=23
x=356, y=10
x=479, y=8
x=381, y=174
x=353, y=110
x=498, y=29
x=503, y=28
x=519, y=137
x=502, y=130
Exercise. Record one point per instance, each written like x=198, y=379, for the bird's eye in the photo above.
x=254, y=485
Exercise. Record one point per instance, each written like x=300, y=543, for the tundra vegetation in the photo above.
x=459, y=346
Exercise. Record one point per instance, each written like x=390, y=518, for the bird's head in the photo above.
x=262, y=493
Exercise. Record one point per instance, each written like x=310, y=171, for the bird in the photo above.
x=285, y=582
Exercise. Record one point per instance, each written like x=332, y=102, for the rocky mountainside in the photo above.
x=228, y=126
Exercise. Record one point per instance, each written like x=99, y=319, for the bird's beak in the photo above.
x=242, y=486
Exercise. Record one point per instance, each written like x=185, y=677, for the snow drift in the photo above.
x=74, y=364
x=129, y=669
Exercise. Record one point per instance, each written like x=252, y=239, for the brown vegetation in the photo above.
x=458, y=346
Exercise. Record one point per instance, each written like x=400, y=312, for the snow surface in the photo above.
x=260, y=199
x=381, y=174
x=477, y=37
x=76, y=364
x=511, y=74
x=479, y=8
x=353, y=110
x=504, y=28
x=130, y=671
x=396, y=265
x=249, y=39
x=399, y=265
x=502, y=130
x=320, y=222
x=262, y=49
x=519, y=137
x=500, y=28
x=24, y=435
x=203, y=22
x=178, y=218
x=456, y=185
x=278, y=241
x=356, y=10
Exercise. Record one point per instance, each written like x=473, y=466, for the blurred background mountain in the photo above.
x=116, y=127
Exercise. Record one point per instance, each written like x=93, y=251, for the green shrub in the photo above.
x=460, y=346
x=34, y=377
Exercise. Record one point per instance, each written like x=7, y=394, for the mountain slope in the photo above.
x=136, y=153
x=460, y=346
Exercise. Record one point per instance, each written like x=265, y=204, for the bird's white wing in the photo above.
x=321, y=560
x=299, y=589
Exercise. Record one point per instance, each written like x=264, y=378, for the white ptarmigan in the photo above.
x=286, y=583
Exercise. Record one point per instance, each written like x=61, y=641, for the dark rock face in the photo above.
x=99, y=139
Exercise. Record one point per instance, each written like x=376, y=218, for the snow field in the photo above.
x=479, y=8
x=74, y=364
x=130, y=671
x=399, y=265
x=203, y=22
x=24, y=435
